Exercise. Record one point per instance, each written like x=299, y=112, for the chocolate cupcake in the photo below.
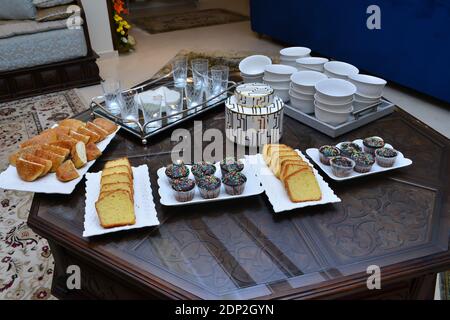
x=328, y=152
x=348, y=148
x=230, y=164
x=372, y=143
x=386, y=157
x=202, y=169
x=184, y=189
x=234, y=183
x=342, y=166
x=209, y=187
x=363, y=161
x=176, y=171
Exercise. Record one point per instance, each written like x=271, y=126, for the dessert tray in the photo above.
x=275, y=190
x=400, y=162
x=252, y=187
x=144, y=207
x=359, y=118
x=9, y=179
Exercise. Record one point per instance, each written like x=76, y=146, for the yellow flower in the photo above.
x=122, y=33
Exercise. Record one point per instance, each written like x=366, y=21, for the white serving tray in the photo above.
x=276, y=192
x=252, y=187
x=401, y=162
x=360, y=119
x=9, y=179
x=144, y=207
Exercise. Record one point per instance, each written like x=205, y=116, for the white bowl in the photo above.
x=363, y=98
x=254, y=65
x=278, y=84
x=334, y=76
x=340, y=69
x=289, y=63
x=332, y=117
x=300, y=95
x=275, y=72
x=305, y=106
x=283, y=94
x=368, y=85
x=329, y=102
x=252, y=75
x=306, y=80
x=298, y=89
x=335, y=90
x=334, y=107
x=313, y=63
x=297, y=52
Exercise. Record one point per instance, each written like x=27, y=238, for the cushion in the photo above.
x=53, y=13
x=17, y=9
x=50, y=3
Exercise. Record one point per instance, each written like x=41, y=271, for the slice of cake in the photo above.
x=117, y=169
x=98, y=130
x=291, y=167
x=32, y=158
x=116, y=208
x=93, y=137
x=80, y=137
x=56, y=159
x=302, y=186
x=27, y=170
x=115, y=178
x=67, y=171
x=105, y=124
x=78, y=154
x=92, y=151
x=118, y=162
x=58, y=150
x=115, y=186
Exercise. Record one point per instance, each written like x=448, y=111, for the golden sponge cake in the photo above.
x=118, y=162
x=115, y=178
x=302, y=186
x=115, y=186
x=115, y=209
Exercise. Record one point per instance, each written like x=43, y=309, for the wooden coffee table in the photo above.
x=240, y=249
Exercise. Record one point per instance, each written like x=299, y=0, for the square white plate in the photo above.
x=401, y=162
x=9, y=179
x=276, y=192
x=252, y=187
x=144, y=207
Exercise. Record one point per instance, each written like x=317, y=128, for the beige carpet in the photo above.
x=26, y=263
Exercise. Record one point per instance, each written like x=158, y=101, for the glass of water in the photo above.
x=179, y=68
x=194, y=97
x=219, y=81
x=200, y=72
x=111, y=91
x=130, y=103
x=151, y=109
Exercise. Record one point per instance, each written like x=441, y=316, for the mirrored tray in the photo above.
x=171, y=114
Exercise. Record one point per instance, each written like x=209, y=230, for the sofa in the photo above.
x=44, y=47
x=412, y=48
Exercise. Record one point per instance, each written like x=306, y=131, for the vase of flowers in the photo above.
x=125, y=42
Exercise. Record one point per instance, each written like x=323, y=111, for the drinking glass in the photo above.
x=173, y=107
x=130, y=103
x=194, y=96
x=219, y=81
x=200, y=72
x=111, y=91
x=179, y=68
x=151, y=109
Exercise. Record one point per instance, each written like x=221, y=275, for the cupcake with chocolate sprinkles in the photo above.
x=176, y=171
x=203, y=169
x=327, y=152
x=372, y=143
x=386, y=157
x=230, y=164
x=348, y=148
x=234, y=183
x=184, y=189
x=209, y=187
x=363, y=161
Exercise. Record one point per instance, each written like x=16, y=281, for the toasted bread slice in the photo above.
x=78, y=154
x=79, y=137
x=98, y=130
x=55, y=149
x=73, y=124
x=29, y=171
x=66, y=144
x=27, y=150
x=92, y=151
x=105, y=124
x=44, y=137
x=67, y=172
x=46, y=163
x=61, y=130
x=56, y=159
x=93, y=137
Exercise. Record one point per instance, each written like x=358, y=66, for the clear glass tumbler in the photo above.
x=194, y=97
x=111, y=91
x=179, y=68
x=219, y=81
x=130, y=104
x=151, y=109
x=200, y=72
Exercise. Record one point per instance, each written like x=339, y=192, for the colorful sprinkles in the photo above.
x=386, y=153
x=203, y=168
x=363, y=158
x=329, y=151
x=183, y=184
x=231, y=164
x=234, y=178
x=374, y=142
x=177, y=170
x=209, y=183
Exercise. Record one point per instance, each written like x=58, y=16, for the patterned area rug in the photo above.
x=187, y=20
x=26, y=264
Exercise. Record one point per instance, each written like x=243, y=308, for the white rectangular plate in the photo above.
x=252, y=187
x=144, y=207
x=9, y=179
x=277, y=194
x=401, y=162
